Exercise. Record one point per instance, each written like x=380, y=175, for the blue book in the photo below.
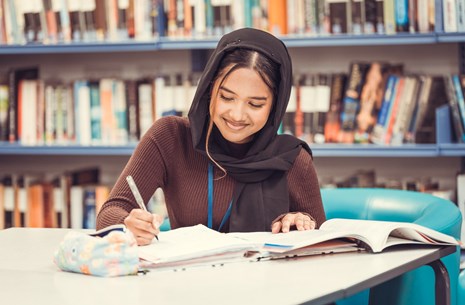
x=380, y=129
x=454, y=108
x=209, y=17
x=389, y=95
x=438, y=17
x=89, y=219
x=401, y=15
x=460, y=98
x=160, y=21
x=95, y=113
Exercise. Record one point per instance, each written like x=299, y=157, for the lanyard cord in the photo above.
x=210, y=201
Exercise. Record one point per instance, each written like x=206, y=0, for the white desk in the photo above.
x=28, y=276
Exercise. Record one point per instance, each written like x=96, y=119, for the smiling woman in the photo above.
x=241, y=105
x=225, y=165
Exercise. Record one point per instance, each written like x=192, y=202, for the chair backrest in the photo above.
x=415, y=287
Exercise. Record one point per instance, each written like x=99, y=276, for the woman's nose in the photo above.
x=237, y=111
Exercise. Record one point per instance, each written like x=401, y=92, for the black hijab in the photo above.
x=261, y=191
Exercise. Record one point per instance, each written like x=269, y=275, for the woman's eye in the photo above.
x=225, y=98
x=256, y=105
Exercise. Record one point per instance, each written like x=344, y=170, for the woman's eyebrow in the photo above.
x=260, y=98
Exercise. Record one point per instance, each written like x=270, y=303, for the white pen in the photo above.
x=137, y=196
x=135, y=192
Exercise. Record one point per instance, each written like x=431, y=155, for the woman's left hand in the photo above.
x=301, y=221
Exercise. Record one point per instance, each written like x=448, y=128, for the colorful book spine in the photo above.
x=389, y=17
x=95, y=113
x=379, y=130
x=401, y=15
x=460, y=98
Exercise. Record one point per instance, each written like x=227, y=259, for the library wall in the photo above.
x=50, y=167
x=430, y=59
x=125, y=65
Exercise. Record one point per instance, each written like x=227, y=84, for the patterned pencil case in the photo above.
x=109, y=252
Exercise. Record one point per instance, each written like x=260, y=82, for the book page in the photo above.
x=189, y=243
x=283, y=242
x=378, y=232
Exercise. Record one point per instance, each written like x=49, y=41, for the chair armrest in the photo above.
x=461, y=288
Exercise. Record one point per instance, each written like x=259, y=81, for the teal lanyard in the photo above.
x=210, y=201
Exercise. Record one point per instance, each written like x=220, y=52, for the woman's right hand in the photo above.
x=143, y=225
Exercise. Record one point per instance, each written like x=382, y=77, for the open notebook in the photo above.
x=200, y=245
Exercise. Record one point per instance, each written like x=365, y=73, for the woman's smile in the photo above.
x=235, y=125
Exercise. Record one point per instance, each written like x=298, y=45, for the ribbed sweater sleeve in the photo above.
x=304, y=189
x=147, y=167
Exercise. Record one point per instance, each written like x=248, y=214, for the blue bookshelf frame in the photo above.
x=65, y=150
x=166, y=43
x=319, y=150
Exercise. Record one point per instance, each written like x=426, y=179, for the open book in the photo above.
x=372, y=235
x=199, y=244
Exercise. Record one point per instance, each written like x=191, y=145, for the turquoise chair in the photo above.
x=415, y=287
x=461, y=289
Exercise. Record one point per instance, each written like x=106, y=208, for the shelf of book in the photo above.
x=68, y=150
x=167, y=43
x=373, y=150
x=452, y=149
x=126, y=46
x=360, y=40
x=319, y=150
x=450, y=37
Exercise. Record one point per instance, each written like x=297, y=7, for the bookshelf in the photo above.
x=52, y=57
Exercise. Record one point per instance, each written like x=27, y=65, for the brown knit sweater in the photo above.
x=165, y=158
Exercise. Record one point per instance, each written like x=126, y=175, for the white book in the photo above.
x=308, y=97
x=112, y=21
x=200, y=19
x=389, y=17
x=145, y=107
x=292, y=105
x=83, y=113
x=423, y=16
x=323, y=95
x=300, y=17
x=449, y=11
x=28, y=112
x=237, y=9
x=40, y=113
x=291, y=16
x=49, y=114
x=460, y=15
x=142, y=21
x=77, y=206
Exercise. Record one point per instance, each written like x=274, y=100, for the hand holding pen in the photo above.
x=140, y=222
